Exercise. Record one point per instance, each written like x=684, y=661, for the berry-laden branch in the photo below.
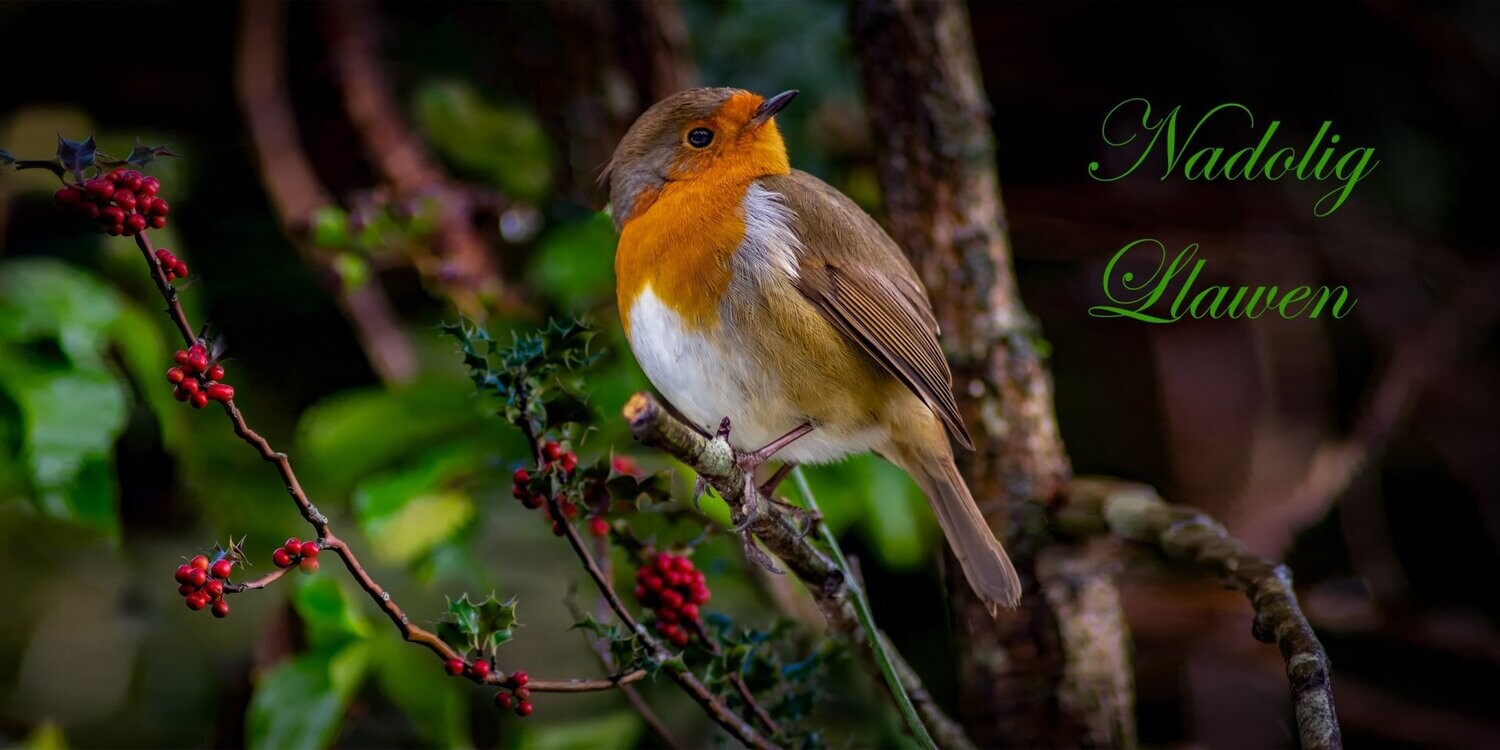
x=712, y=458
x=545, y=454
x=123, y=201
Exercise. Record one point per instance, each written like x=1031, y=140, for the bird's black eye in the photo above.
x=700, y=137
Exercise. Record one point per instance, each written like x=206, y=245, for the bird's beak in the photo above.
x=770, y=107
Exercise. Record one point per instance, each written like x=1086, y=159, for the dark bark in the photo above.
x=1054, y=672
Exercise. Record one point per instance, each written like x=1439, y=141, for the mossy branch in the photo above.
x=1135, y=512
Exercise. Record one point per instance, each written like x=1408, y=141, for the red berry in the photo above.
x=599, y=527
x=671, y=598
x=184, y=572
x=480, y=669
x=197, y=577
x=557, y=529
x=99, y=189
x=222, y=568
x=521, y=476
x=519, y=679
x=503, y=701
x=683, y=564
x=454, y=667
x=198, y=350
x=181, y=358
x=221, y=609
x=293, y=546
x=143, y=203
x=175, y=375
x=68, y=196
x=569, y=510
x=535, y=501
x=91, y=210
x=690, y=612
x=157, y=222
x=569, y=461
x=132, y=179
x=112, y=214
x=200, y=562
x=220, y=392
x=552, y=451
x=180, y=393
x=214, y=589
x=310, y=549
x=524, y=709
x=667, y=614
x=150, y=185
x=135, y=223
x=216, y=372
x=191, y=385
x=179, y=267
x=624, y=465
x=125, y=199
x=197, y=601
x=701, y=594
x=199, y=400
x=523, y=693
x=308, y=565
x=281, y=558
x=678, y=638
x=185, y=589
x=518, y=492
x=159, y=207
x=641, y=593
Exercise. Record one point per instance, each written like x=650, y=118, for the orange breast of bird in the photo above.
x=680, y=242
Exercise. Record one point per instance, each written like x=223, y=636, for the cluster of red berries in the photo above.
x=671, y=587
x=296, y=552
x=171, y=265
x=201, y=583
x=123, y=202
x=564, y=462
x=196, y=379
x=514, y=693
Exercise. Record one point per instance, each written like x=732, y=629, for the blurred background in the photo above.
x=353, y=174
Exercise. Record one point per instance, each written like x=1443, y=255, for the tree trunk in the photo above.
x=1055, y=671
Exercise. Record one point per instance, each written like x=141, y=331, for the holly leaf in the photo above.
x=628, y=487
x=463, y=613
x=76, y=156
x=142, y=154
x=566, y=408
x=496, y=621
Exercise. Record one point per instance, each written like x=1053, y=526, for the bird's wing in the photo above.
x=857, y=277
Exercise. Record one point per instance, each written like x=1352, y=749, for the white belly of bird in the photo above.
x=707, y=384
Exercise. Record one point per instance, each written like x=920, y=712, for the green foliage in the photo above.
x=788, y=690
x=479, y=628
x=537, y=377
x=300, y=703
x=407, y=512
x=505, y=146
x=63, y=337
x=575, y=263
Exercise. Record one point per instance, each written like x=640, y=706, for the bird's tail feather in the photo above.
x=983, y=560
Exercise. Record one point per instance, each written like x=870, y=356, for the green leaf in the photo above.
x=300, y=703
x=142, y=154
x=617, y=729
x=408, y=512
x=437, y=705
x=76, y=156
x=330, y=227
x=503, y=145
x=574, y=264
x=330, y=617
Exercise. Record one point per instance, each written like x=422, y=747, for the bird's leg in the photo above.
x=749, y=462
x=805, y=519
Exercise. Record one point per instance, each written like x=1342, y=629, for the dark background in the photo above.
x=1362, y=450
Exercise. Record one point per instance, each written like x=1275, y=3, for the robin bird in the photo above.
x=753, y=291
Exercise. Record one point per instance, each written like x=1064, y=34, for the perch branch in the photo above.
x=656, y=427
x=1135, y=512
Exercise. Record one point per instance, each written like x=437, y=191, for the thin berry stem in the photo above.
x=326, y=538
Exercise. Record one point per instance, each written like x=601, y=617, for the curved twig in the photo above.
x=1135, y=512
